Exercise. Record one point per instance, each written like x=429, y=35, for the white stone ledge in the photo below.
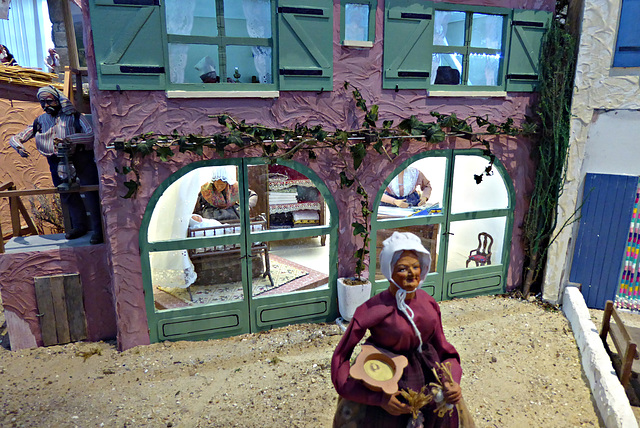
x=609, y=395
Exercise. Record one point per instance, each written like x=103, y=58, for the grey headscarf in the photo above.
x=392, y=249
x=66, y=107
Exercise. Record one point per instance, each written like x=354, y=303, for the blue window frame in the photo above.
x=627, y=52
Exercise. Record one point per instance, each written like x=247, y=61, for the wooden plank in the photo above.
x=75, y=307
x=45, y=311
x=47, y=191
x=15, y=216
x=60, y=308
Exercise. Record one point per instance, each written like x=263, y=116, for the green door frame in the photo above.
x=443, y=285
x=249, y=314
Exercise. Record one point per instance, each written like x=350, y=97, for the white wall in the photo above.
x=613, y=143
x=598, y=142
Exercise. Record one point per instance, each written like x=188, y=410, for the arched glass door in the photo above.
x=465, y=225
x=237, y=246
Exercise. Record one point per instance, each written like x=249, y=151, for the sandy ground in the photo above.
x=520, y=360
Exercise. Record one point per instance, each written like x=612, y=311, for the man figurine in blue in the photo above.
x=62, y=125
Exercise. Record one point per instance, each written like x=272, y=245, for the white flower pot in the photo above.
x=351, y=296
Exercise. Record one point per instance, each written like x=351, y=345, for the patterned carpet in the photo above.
x=281, y=273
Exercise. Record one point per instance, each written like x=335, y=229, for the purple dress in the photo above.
x=391, y=330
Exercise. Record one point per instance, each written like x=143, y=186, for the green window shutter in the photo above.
x=527, y=30
x=408, y=36
x=305, y=45
x=128, y=44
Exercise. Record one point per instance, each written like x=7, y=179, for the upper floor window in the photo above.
x=627, y=52
x=213, y=45
x=219, y=41
x=447, y=47
x=358, y=21
x=467, y=48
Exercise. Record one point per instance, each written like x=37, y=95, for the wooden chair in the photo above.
x=625, y=340
x=481, y=255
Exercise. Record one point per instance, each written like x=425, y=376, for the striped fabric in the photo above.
x=60, y=126
x=628, y=296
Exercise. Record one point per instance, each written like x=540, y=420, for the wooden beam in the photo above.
x=60, y=308
x=45, y=311
x=75, y=307
x=47, y=191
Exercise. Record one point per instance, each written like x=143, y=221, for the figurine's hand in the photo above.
x=423, y=200
x=401, y=203
x=452, y=392
x=395, y=407
x=22, y=152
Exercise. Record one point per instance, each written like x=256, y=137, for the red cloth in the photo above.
x=390, y=330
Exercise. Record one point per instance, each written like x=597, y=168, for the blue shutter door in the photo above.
x=628, y=45
x=604, y=224
x=129, y=44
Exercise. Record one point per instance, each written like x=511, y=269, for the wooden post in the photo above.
x=606, y=319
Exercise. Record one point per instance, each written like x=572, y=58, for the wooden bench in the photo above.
x=625, y=339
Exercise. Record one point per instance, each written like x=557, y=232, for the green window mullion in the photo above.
x=222, y=48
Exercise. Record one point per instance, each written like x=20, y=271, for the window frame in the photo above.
x=222, y=89
x=373, y=5
x=466, y=49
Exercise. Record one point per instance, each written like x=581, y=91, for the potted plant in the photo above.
x=354, y=291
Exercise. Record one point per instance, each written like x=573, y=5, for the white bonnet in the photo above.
x=396, y=244
x=225, y=174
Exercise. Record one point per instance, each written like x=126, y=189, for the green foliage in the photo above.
x=283, y=143
x=557, y=70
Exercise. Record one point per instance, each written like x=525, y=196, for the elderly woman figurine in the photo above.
x=219, y=198
x=404, y=320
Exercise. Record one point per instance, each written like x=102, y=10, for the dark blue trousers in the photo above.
x=87, y=173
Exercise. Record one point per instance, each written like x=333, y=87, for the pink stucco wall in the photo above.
x=19, y=298
x=132, y=112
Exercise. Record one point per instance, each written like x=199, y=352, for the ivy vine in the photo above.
x=350, y=146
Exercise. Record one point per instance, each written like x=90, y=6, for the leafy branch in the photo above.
x=350, y=146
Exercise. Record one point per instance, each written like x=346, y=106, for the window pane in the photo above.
x=201, y=276
x=356, y=22
x=463, y=242
x=193, y=63
x=433, y=170
x=486, y=31
x=446, y=68
x=288, y=197
x=247, y=18
x=449, y=28
x=429, y=234
x=294, y=265
x=249, y=64
x=483, y=69
x=467, y=196
x=184, y=18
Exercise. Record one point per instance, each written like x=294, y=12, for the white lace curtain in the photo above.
x=179, y=15
x=258, y=16
x=170, y=220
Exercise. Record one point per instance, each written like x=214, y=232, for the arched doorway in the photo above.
x=459, y=217
x=265, y=263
